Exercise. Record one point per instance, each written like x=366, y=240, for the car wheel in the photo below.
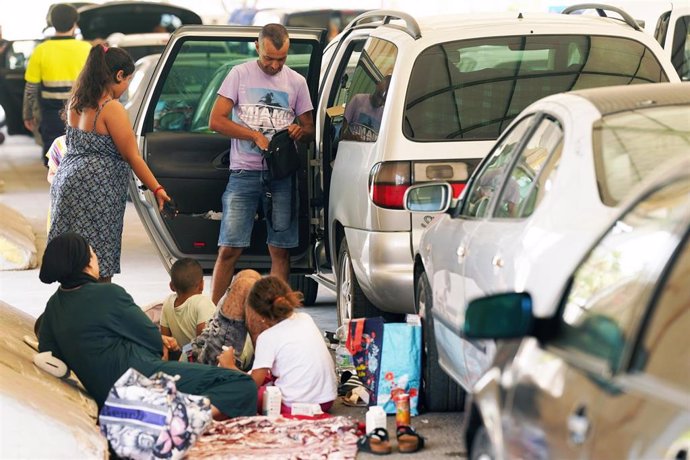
x=482, y=449
x=439, y=392
x=307, y=286
x=351, y=302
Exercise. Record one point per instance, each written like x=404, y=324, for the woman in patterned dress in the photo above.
x=89, y=191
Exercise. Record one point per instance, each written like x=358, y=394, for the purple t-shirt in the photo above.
x=363, y=119
x=266, y=103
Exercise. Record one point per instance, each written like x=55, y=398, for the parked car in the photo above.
x=96, y=23
x=536, y=203
x=42, y=416
x=455, y=85
x=333, y=20
x=607, y=375
x=140, y=45
x=668, y=22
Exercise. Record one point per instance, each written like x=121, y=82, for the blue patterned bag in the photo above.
x=364, y=342
x=401, y=365
x=147, y=418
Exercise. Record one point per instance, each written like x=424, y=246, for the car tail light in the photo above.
x=455, y=173
x=388, y=182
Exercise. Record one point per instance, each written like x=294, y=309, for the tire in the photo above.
x=439, y=392
x=307, y=286
x=482, y=449
x=350, y=300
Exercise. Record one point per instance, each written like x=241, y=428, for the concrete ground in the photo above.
x=25, y=189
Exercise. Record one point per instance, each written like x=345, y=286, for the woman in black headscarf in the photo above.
x=99, y=332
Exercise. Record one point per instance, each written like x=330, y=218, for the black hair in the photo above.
x=100, y=70
x=63, y=17
x=185, y=275
x=276, y=33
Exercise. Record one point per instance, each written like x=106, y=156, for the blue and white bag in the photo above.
x=401, y=365
x=145, y=418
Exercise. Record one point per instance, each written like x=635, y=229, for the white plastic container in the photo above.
x=271, y=401
x=376, y=418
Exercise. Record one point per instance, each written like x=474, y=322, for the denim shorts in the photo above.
x=241, y=200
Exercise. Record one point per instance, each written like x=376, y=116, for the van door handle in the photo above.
x=578, y=426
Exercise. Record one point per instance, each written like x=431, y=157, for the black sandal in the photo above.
x=409, y=440
x=375, y=442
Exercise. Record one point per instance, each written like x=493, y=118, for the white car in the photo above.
x=608, y=375
x=537, y=202
x=41, y=416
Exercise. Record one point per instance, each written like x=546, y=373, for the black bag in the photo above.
x=281, y=156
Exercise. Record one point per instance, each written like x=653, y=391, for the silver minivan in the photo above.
x=453, y=84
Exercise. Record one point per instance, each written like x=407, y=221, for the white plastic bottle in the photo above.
x=343, y=358
x=376, y=418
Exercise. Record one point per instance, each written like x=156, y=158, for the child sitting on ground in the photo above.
x=228, y=327
x=186, y=312
x=290, y=349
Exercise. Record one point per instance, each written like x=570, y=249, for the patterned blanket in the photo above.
x=278, y=438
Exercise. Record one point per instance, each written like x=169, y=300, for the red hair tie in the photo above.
x=105, y=48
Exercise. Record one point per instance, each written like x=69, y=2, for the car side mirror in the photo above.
x=500, y=316
x=428, y=197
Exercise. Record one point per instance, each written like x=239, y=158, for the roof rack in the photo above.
x=381, y=17
x=601, y=11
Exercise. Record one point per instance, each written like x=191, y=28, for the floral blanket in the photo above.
x=278, y=438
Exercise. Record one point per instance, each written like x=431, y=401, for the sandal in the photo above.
x=408, y=439
x=357, y=397
x=375, y=442
x=348, y=382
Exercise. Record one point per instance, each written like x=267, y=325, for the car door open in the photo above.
x=191, y=161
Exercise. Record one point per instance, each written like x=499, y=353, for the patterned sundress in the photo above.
x=89, y=194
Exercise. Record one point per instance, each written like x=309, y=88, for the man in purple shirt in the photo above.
x=256, y=100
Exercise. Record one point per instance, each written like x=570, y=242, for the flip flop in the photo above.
x=409, y=440
x=376, y=442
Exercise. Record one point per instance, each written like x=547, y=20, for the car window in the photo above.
x=341, y=91
x=615, y=283
x=528, y=180
x=368, y=90
x=680, y=48
x=472, y=89
x=665, y=349
x=629, y=145
x=192, y=79
x=488, y=180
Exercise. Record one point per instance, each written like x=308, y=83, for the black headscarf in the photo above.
x=65, y=259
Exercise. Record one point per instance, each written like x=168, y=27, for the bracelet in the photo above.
x=158, y=189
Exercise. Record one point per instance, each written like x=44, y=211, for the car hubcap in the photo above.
x=345, y=294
